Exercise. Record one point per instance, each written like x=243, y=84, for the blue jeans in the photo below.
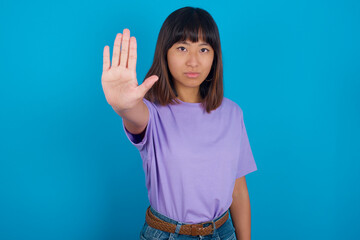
x=225, y=232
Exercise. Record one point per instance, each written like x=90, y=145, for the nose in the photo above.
x=192, y=60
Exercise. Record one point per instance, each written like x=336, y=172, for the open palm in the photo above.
x=119, y=81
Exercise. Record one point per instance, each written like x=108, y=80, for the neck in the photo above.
x=193, y=98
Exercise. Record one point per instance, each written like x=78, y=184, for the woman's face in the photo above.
x=190, y=63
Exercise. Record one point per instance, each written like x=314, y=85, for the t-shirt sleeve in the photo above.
x=246, y=162
x=142, y=143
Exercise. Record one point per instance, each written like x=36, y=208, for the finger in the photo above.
x=106, y=58
x=116, y=50
x=147, y=84
x=124, y=47
x=132, y=54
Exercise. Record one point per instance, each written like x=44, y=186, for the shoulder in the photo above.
x=232, y=106
x=152, y=106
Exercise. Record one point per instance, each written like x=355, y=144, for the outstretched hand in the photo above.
x=119, y=80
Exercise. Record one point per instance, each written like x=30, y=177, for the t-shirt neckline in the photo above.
x=189, y=103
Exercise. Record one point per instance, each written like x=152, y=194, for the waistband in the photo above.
x=166, y=219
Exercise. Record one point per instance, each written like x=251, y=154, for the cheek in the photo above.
x=211, y=60
x=209, y=64
x=174, y=66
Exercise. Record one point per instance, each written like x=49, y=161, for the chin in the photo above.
x=195, y=84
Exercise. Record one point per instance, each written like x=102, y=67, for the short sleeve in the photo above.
x=136, y=139
x=246, y=160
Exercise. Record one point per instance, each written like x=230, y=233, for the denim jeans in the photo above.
x=225, y=232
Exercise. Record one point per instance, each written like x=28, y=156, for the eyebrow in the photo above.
x=187, y=43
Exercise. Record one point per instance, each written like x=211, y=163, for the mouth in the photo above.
x=192, y=74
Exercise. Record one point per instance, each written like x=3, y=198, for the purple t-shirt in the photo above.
x=191, y=158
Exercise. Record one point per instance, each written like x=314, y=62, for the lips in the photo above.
x=192, y=74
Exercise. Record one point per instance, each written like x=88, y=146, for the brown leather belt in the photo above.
x=187, y=229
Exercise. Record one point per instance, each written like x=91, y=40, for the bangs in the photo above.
x=193, y=26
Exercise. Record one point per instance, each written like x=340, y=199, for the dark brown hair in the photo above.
x=182, y=24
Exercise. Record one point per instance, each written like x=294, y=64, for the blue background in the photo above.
x=67, y=170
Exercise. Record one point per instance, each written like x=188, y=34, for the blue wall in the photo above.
x=67, y=170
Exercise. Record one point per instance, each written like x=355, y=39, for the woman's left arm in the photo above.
x=240, y=210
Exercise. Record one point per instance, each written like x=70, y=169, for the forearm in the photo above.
x=136, y=118
x=241, y=216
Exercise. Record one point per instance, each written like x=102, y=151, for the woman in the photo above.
x=192, y=139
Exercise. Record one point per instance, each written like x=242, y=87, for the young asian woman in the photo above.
x=192, y=140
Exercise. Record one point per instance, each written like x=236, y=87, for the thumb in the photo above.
x=147, y=84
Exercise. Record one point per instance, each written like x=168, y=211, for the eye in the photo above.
x=204, y=50
x=181, y=49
